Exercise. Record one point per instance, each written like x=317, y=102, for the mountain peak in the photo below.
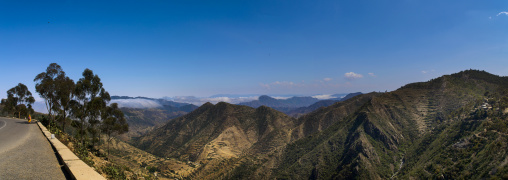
x=207, y=104
x=265, y=98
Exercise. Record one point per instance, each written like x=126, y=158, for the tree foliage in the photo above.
x=19, y=100
x=47, y=87
x=90, y=99
x=64, y=94
x=113, y=122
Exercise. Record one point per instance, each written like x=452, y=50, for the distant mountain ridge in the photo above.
x=144, y=114
x=451, y=127
x=162, y=102
x=323, y=103
x=428, y=130
x=293, y=102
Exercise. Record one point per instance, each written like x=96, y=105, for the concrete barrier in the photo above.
x=78, y=169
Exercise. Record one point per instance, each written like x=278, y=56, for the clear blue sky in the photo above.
x=201, y=48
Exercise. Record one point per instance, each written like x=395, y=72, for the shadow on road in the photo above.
x=25, y=122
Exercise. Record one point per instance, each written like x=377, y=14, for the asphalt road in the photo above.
x=25, y=153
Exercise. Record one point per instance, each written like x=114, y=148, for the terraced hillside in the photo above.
x=218, y=131
x=417, y=131
x=142, y=121
x=231, y=141
x=452, y=127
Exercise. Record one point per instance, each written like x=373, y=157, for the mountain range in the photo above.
x=281, y=104
x=297, y=105
x=451, y=127
x=144, y=114
x=297, y=112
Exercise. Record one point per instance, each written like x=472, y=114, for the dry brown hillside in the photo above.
x=220, y=135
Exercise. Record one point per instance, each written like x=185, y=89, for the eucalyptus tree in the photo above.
x=46, y=87
x=20, y=97
x=90, y=98
x=113, y=122
x=78, y=111
x=9, y=105
x=64, y=94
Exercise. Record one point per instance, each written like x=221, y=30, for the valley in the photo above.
x=407, y=133
x=262, y=90
x=451, y=127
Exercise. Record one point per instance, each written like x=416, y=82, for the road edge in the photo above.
x=78, y=169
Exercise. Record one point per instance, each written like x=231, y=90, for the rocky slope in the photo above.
x=142, y=120
x=452, y=127
x=218, y=131
x=422, y=130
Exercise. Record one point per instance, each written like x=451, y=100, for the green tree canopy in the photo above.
x=9, y=104
x=113, y=122
x=64, y=94
x=92, y=98
x=20, y=98
x=46, y=86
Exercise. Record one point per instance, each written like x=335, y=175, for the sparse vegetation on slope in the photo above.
x=405, y=128
x=142, y=121
x=450, y=127
x=219, y=135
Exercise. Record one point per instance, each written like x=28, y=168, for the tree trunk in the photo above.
x=109, y=139
x=63, y=121
x=82, y=130
x=50, y=117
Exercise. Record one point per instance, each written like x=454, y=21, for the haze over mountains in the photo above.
x=144, y=102
x=452, y=127
x=288, y=101
x=144, y=114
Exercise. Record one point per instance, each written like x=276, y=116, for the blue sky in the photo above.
x=202, y=48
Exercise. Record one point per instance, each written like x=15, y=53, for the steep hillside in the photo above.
x=323, y=118
x=144, y=164
x=219, y=131
x=452, y=127
x=425, y=130
x=143, y=120
x=232, y=141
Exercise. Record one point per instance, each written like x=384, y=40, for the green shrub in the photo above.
x=114, y=171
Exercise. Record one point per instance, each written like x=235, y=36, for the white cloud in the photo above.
x=198, y=101
x=281, y=97
x=327, y=79
x=501, y=13
x=372, y=74
x=324, y=96
x=136, y=103
x=427, y=71
x=40, y=106
x=352, y=75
